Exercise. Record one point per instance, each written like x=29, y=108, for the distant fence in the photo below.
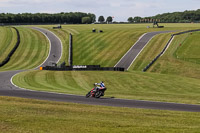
x=172, y=36
x=82, y=68
x=13, y=50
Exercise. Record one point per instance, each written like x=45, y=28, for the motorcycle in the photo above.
x=96, y=92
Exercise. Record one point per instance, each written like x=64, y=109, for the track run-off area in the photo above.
x=8, y=89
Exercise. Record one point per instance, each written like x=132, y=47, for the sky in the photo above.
x=119, y=9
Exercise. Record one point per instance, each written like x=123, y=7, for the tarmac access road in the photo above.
x=127, y=60
x=8, y=89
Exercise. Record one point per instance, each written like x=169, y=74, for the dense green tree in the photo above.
x=137, y=19
x=92, y=16
x=101, y=19
x=109, y=19
x=130, y=19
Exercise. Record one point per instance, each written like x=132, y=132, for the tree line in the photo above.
x=68, y=18
x=101, y=20
x=175, y=17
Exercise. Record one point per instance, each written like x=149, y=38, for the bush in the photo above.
x=86, y=20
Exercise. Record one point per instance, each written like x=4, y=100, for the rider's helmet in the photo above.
x=101, y=81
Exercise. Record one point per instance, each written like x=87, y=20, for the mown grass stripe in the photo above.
x=84, y=45
x=42, y=79
x=36, y=78
x=65, y=81
x=19, y=54
x=26, y=54
x=8, y=42
x=80, y=53
x=104, y=50
x=29, y=81
x=36, y=53
x=70, y=82
x=51, y=80
x=40, y=51
x=93, y=49
x=6, y=39
x=31, y=51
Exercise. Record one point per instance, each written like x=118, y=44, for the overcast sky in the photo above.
x=120, y=9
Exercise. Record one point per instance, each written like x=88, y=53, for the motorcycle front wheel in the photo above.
x=88, y=95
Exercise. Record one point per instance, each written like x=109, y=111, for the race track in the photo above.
x=7, y=89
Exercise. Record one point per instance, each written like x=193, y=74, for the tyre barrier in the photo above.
x=82, y=68
x=172, y=36
x=70, y=60
x=13, y=50
x=58, y=27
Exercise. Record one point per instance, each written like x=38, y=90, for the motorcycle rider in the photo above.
x=97, y=88
x=94, y=89
x=102, y=86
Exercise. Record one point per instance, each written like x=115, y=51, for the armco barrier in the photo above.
x=13, y=50
x=82, y=68
x=155, y=59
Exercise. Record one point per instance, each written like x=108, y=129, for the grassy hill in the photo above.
x=182, y=58
x=97, y=48
x=32, y=50
x=168, y=86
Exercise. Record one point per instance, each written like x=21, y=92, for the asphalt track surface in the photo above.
x=7, y=89
x=127, y=60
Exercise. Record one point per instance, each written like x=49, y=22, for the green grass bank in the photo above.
x=26, y=115
x=32, y=51
x=8, y=39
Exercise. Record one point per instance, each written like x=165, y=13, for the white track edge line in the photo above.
x=49, y=48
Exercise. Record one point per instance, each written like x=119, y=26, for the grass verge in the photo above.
x=26, y=115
